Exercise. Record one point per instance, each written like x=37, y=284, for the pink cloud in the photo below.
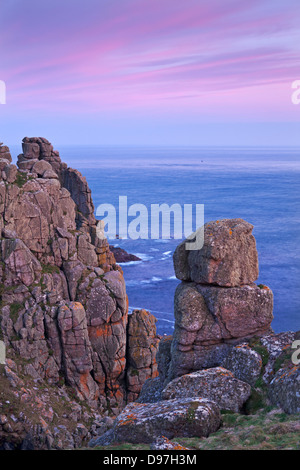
x=141, y=54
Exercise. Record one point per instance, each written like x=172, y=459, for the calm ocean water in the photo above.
x=260, y=185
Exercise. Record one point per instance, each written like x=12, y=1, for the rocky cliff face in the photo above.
x=64, y=308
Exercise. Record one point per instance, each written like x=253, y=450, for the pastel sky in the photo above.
x=197, y=72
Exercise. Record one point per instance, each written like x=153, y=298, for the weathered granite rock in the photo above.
x=163, y=357
x=81, y=194
x=227, y=258
x=284, y=388
x=39, y=416
x=121, y=256
x=142, y=347
x=108, y=336
x=21, y=265
x=7, y=169
x=281, y=372
x=31, y=150
x=10, y=173
x=85, y=250
x=185, y=417
x=208, y=319
x=151, y=391
x=276, y=347
x=216, y=384
x=76, y=350
x=5, y=153
x=64, y=306
x=34, y=207
x=40, y=167
x=217, y=305
x=244, y=362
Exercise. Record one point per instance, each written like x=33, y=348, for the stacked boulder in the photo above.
x=36, y=149
x=223, y=348
x=8, y=171
x=217, y=303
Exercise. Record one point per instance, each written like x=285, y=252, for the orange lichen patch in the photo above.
x=118, y=394
x=225, y=372
x=230, y=232
x=43, y=424
x=122, y=362
x=77, y=305
x=130, y=419
x=243, y=346
x=38, y=403
x=99, y=331
x=173, y=445
x=293, y=369
x=83, y=382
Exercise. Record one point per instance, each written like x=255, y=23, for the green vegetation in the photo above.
x=272, y=430
x=256, y=345
x=50, y=269
x=123, y=446
x=15, y=308
x=192, y=410
x=22, y=178
x=283, y=358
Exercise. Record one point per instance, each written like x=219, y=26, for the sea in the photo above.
x=258, y=184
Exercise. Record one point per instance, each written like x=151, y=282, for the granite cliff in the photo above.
x=64, y=309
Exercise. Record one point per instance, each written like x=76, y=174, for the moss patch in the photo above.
x=50, y=269
x=263, y=431
x=15, y=308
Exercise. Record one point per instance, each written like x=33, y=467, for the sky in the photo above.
x=167, y=72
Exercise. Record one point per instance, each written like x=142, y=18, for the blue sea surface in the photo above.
x=259, y=185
